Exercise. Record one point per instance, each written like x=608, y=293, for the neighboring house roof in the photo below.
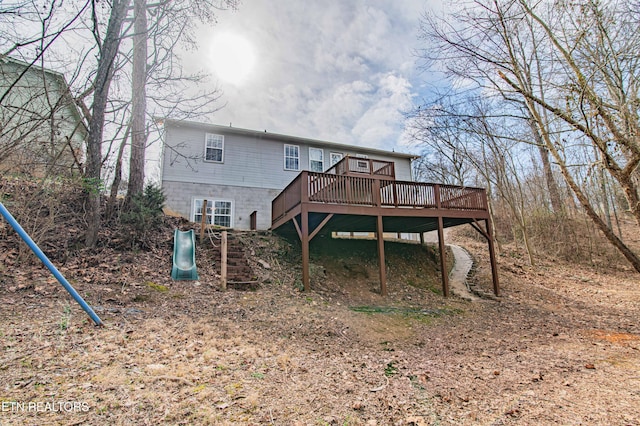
x=281, y=137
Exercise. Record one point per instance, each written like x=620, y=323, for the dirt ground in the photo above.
x=560, y=346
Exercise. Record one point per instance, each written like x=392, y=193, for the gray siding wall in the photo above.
x=251, y=162
x=182, y=195
x=251, y=174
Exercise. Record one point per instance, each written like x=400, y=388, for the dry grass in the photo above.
x=561, y=346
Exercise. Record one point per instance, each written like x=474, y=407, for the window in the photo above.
x=197, y=215
x=291, y=157
x=218, y=212
x=222, y=213
x=335, y=157
x=214, y=148
x=316, y=160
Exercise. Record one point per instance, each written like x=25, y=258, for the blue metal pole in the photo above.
x=32, y=245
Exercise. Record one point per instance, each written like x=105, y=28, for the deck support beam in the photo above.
x=304, y=240
x=320, y=226
x=492, y=256
x=488, y=234
x=443, y=258
x=381, y=261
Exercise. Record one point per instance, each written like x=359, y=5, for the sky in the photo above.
x=336, y=70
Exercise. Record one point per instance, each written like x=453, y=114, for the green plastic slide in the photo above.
x=184, y=256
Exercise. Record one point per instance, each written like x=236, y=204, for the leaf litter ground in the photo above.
x=560, y=346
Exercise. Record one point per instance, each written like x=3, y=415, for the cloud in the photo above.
x=380, y=123
x=333, y=70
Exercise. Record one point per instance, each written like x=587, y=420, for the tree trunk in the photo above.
x=104, y=75
x=552, y=186
x=117, y=175
x=608, y=232
x=586, y=204
x=139, y=105
x=631, y=194
x=605, y=192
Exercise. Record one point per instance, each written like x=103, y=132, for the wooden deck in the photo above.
x=362, y=195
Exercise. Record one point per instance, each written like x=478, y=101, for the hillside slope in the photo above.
x=561, y=346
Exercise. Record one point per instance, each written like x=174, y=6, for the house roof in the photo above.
x=5, y=58
x=281, y=137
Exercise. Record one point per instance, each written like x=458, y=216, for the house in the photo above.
x=41, y=128
x=305, y=187
x=239, y=171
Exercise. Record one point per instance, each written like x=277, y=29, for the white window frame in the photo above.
x=229, y=215
x=312, y=161
x=333, y=155
x=362, y=165
x=218, y=139
x=297, y=158
x=194, y=211
x=211, y=211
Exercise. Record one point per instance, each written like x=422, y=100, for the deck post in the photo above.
x=443, y=251
x=492, y=257
x=304, y=225
x=304, y=240
x=443, y=258
x=203, y=222
x=223, y=260
x=381, y=261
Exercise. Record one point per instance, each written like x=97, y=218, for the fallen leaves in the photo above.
x=176, y=352
x=381, y=387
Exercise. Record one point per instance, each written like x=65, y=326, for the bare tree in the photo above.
x=469, y=135
x=584, y=54
x=138, y=100
x=41, y=131
x=549, y=178
x=100, y=68
x=567, y=66
x=104, y=75
x=170, y=26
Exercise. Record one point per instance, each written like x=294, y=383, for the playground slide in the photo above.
x=184, y=256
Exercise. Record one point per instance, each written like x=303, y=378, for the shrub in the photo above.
x=144, y=214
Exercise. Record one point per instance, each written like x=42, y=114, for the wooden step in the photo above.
x=240, y=275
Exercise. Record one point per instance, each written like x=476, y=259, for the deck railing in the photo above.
x=356, y=166
x=312, y=187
